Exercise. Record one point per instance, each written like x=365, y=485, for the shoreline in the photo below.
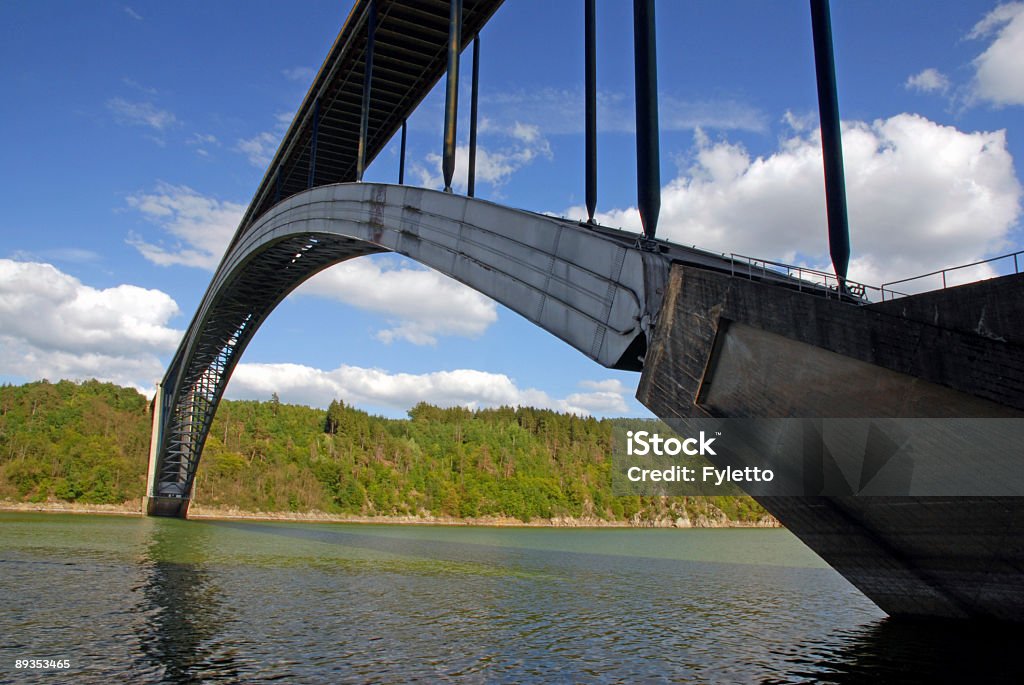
x=199, y=512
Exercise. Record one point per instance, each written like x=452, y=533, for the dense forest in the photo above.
x=89, y=443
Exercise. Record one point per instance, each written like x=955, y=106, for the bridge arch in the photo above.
x=593, y=288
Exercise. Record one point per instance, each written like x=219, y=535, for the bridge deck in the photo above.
x=410, y=56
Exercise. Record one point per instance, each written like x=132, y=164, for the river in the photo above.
x=125, y=599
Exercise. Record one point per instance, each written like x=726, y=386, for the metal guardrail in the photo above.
x=893, y=294
x=805, y=279
x=828, y=284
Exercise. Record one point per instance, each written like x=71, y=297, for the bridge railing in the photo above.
x=802, y=278
x=1018, y=264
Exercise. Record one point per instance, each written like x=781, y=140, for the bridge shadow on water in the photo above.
x=908, y=651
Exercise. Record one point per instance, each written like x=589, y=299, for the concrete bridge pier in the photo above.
x=172, y=507
x=730, y=347
x=155, y=505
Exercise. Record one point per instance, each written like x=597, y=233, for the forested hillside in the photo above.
x=89, y=443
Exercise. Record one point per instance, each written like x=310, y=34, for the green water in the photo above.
x=158, y=600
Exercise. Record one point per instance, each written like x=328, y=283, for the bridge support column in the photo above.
x=590, y=55
x=471, y=179
x=364, y=119
x=401, y=157
x=154, y=445
x=648, y=159
x=169, y=507
x=451, y=101
x=313, y=143
x=831, y=139
x=153, y=504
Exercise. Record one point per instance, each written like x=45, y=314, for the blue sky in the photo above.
x=137, y=134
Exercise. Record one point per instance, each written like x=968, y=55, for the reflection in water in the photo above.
x=151, y=600
x=184, y=612
x=906, y=651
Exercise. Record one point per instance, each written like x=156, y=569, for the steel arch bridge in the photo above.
x=712, y=335
x=597, y=289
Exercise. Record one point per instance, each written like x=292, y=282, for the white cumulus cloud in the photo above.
x=494, y=165
x=259, y=149
x=928, y=81
x=999, y=75
x=921, y=196
x=606, y=397
x=362, y=386
x=201, y=226
x=419, y=303
x=54, y=326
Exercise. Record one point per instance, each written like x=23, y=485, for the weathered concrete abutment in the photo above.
x=731, y=347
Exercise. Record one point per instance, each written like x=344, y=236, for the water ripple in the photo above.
x=169, y=601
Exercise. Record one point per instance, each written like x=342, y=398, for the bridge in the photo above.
x=712, y=335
